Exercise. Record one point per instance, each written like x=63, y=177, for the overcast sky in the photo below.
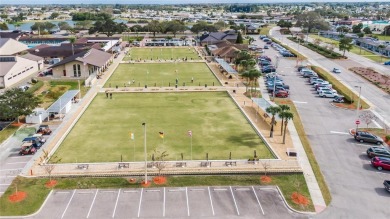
x=164, y=1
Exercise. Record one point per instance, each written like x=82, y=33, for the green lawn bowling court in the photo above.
x=162, y=75
x=218, y=127
x=160, y=53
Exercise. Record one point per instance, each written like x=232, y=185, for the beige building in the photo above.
x=82, y=65
x=14, y=68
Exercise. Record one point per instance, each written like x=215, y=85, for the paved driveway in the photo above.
x=184, y=202
x=356, y=187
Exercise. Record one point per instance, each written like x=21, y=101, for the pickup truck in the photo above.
x=386, y=183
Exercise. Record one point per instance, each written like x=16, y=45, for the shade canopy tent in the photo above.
x=264, y=104
x=62, y=105
x=226, y=66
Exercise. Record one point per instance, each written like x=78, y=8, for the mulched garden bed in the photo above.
x=382, y=81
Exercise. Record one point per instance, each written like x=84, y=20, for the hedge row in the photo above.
x=349, y=96
x=319, y=49
x=35, y=87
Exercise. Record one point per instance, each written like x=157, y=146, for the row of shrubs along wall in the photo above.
x=319, y=49
x=349, y=96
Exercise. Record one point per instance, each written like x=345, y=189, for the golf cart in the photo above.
x=27, y=148
x=35, y=141
x=44, y=130
x=338, y=99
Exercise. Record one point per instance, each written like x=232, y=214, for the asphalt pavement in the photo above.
x=356, y=187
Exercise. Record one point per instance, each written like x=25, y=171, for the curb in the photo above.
x=362, y=110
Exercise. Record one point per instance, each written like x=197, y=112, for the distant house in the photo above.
x=226, y=50
x=16, y=34
x=377, y=46
x=83, y=64
x=350, y=22
x=250, y=29
x=14, y=68
x=215, y=37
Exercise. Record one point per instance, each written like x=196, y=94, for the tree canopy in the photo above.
x=311, y=20
x=345, y=44
x=16, y=102
x=108, y=27
x=41, y=26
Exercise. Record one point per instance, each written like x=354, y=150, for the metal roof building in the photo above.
x=63, y=104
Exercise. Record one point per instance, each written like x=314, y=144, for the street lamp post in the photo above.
x=357, y=108
x=146, y=162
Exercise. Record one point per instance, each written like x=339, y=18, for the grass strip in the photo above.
x=340, y=87
x=37, y=192
x=6, y=132
x=299, y=55
x=309, y=152
x=318, y=49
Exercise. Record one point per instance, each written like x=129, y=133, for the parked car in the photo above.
x=336, y=70
x=281, y=93
x=338, y=99
x=28, y=149
x=386, y=183
x=378, y=151
x=328, y=94
x=368, y=137
x=387, y=63
x=319, y=84
x=266, y=47
x=325, y=89
x=301, y=67
x=268, y=70
x=381, y=163
x=315, y=80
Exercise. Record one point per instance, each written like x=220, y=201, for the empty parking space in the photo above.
x=128, y=203
x=193, y=202
x=223, y=201
x=80, y=204
x=56, y=204
x=176, y=202
x=104, y=204
x=199, y=202
x=152, y=203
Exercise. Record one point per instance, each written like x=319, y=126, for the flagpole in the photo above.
x=133, y=150
x=191, y=147
x=146, y=164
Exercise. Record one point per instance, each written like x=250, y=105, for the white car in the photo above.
x=329, y=94
x=320, y=83
x=316, y=81
x=326, y=89
x=336, y=70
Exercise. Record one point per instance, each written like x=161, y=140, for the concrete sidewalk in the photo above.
x=311, y=181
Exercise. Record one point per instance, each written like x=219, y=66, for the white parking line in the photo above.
x=140, y=201
x=382, y=173
x=62, y=192
x=93, y=201
x=11, y=169
x=196, y=189
x=188, y=205
x=258, y=201
x=164, y=204
x=299, y=102
x=85, y=192
x=152, y=190
x=211, y=201
x=15, y=162
x=235, y=203
x=107, y=191
x=134, y=191
x=5, y=184
x=176, y=190
x=342, y=133
x=116, y=203
x=67, y=206
x=242, y=189
x=220, y=189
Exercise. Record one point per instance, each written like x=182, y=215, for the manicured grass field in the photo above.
x=161, y=74
x=156, y=53
x=218, y=127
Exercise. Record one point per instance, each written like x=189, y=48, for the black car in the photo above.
x=378, y=151
x=368, y=137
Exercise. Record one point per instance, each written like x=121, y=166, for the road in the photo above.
x=379, y=99
x=356, y=187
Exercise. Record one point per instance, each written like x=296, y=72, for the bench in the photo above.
x=205, y=164
x=82, y=166
x=151, y=165
x=231, y=163
x=123, y=165
x=291, y=152
x=181, y=164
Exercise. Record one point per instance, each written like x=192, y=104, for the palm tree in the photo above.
x=287, y=115
x=72, y=40
x=283, y=108
x=273, y=110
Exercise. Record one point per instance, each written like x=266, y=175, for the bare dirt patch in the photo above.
x=380, y=80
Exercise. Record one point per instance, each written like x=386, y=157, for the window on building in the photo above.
x=76, y=70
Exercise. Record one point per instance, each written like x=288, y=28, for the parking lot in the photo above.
x=184, y=202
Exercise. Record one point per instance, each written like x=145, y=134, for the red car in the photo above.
x=26, y=150
x=381, y=163
x=281, y=94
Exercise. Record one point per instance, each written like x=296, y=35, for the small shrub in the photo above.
x=387, y=137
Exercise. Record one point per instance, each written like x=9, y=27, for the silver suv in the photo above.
x=368, y=137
